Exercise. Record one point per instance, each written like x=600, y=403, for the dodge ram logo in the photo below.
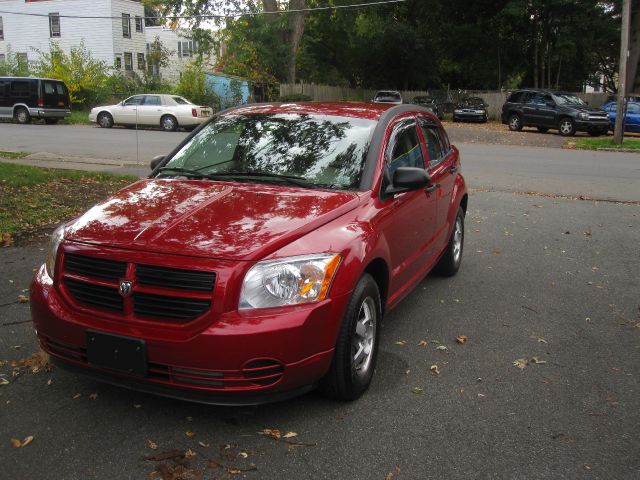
x=125, y=288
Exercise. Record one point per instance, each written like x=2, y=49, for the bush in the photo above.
x=193, y=86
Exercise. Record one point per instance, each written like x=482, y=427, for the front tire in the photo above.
x=354, y=358
x=22, y=116
x=169, y=123
x=566, y=127
x=449, y=263
x=515, y=122
x=105, y=120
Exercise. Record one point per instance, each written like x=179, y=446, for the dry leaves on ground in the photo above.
x=36, y=363
x=462, y=338
x=15, y=443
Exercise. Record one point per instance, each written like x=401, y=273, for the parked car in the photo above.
x=631, y=118
x=388, y=96
x=429, y=103
x=471, y=109
x=257, y=260
x=24, y=98
x=545, y=109
x=154, y=110
x=628, y=98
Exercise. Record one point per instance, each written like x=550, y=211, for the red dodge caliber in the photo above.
x=257, y=260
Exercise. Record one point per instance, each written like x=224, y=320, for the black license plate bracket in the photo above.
x=115, y=352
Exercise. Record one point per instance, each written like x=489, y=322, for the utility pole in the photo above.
x=618, y=134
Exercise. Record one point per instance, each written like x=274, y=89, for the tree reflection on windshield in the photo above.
x=321, y=149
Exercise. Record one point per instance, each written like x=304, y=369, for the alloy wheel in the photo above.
x=363, y=343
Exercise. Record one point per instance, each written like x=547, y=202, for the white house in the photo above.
x=118, y=38
x=182, y=49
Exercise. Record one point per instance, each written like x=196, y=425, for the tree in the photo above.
x=14, y=65
x=193, y=85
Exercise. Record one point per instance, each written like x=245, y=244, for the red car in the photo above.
x=257, y=260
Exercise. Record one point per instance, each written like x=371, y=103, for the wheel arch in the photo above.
x=379, y=270
x=20, y=105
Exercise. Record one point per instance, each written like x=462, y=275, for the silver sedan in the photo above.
x=169, y=112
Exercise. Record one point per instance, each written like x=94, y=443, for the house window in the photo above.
x=118, y=62
x=22, y=58
x=54, y=25
x=126, y=25
x=128, y=61
x=1, y=30
x=2, y=58
x=141, y=61
x=185, y=49
x=138, y=24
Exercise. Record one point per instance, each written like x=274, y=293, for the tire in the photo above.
x=484, y=120
x=515, y=122
x=22, y=115
x=566, y=127
x=105, y=120
x=451, y=258
x=50, y=121
x=354, y=358
x=169, y=123
x=543, y=129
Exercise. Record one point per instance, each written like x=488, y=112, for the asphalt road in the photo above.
x=551, y=279
x=599, y=175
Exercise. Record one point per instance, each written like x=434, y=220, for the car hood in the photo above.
x=232, y=221
x=582, y=108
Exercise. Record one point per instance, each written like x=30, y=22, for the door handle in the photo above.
x=432, y=188
x=453, y=169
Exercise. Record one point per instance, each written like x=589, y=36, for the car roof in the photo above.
x=365, y=110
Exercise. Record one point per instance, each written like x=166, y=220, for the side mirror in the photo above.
x=155, y=161
x=406, y=179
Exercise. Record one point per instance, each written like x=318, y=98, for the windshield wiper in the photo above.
x=184, y=171
x=292, y=179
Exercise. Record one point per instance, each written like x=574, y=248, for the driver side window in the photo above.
x=404, y=147
x=137, y=100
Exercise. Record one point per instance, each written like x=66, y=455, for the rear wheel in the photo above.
x=105, y=120
x=50, y=121
x=515, y=122
x=451, y=259
x=169, y=123
x=22, y=115
x=543, y=129
x=566, y=127
x=354, y=358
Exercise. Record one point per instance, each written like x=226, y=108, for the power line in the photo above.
x=215, y=15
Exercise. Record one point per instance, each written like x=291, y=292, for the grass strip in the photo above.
x=605, y=144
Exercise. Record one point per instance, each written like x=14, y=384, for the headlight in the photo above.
x=457, y=110
x=288, y=281
x=56, y=238
x=583, y=116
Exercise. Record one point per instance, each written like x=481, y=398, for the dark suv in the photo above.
x=545, y=109
x=26, y=98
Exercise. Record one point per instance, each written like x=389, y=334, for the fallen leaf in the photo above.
x=462, y=338
x=290, y=435
x=77, y=396
x=408, y=371
x=203, y=445
x=291, y=446
x=233, y=471
x=93, y=396
x=243, y=454
x=435, y=369
x=50, y=382
x=23, y=298
x=441, y=347
x=389, y=476
x=537, y=360
x=4, y=381
x=521, y=363
x=190, y=434
x=136, y=405
x=273, y=433
x=189, y=453
x=15, y=443
x=400, y=342
x=417, y=390
x=152, y=445
x=423, y=343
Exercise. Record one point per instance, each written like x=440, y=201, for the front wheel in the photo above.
x=567, y=128
x=354, y=358
x=105, y=120
x=515, y=122
x=451, y=258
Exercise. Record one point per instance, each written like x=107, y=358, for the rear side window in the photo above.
x=49, y=88
x=515, y=97
x=61, y=89
x=404, y=148
x=633, y=108
x=20, y=88
x=180, y=101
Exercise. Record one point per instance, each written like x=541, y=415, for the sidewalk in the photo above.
x=70, y=162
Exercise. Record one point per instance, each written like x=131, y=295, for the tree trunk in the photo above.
x=296, y=30
x=270, y=6
x=535, y=46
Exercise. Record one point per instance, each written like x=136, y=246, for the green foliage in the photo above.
x=84, y=76
x=14, y=65
x=193, y=85
x=123, y=84
x=606, y=144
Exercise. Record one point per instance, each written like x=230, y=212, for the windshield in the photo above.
x=568, y=99
x=320, y=150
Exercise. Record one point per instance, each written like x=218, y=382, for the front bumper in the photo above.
x=470, y=117
x=238, y=358
x=592, y=125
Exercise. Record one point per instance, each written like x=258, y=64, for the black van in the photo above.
x=24, y=98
